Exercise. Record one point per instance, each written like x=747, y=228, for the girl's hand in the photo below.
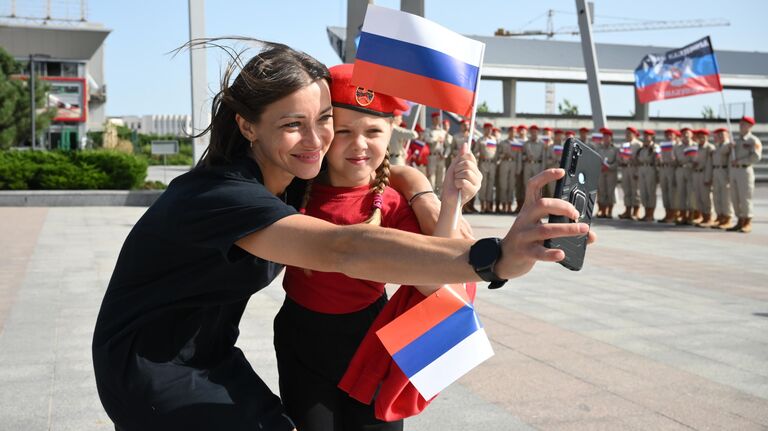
x=463, y=174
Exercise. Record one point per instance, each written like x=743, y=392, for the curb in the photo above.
x=78, y=198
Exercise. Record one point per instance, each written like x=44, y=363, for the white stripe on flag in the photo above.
x=414, y=29
x=451, y=365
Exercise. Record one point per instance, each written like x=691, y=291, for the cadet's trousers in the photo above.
x=488, y=169
x=630, y=186
x=436, y=171
x=684, y=198
x=721, y=191
x=647, y=184
x=742, y=188
x=606, y=188
x=702, y=192
x=507, y=181
x=667, y=182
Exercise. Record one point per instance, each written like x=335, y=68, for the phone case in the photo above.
x=582, y=167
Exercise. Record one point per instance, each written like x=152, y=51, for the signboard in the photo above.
x=165, y=147
x=68, y=96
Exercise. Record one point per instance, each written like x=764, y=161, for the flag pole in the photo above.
x=463, y=149
x=416, y=117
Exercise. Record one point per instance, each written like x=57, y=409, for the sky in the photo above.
x=143, y=78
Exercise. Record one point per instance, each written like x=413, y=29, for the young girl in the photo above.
x=326, y=315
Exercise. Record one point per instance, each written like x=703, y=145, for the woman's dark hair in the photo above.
x=275, y=72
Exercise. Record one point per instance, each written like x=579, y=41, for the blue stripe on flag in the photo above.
x=438, y=340
x=417, y=59
x=691, y=68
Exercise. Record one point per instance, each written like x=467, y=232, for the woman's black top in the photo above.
x=164, y=344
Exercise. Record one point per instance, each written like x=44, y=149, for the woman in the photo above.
x=164, y=343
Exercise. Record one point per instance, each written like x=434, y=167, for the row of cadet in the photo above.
x=694, y=173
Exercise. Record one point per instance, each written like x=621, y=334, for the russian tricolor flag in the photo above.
x=687, y=71
x=691, y=150
x=667, y=146
x=437, y=341
x=517, y=146
x=407, y=56
x=557, y=149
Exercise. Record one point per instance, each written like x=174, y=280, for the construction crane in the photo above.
x=640, y=25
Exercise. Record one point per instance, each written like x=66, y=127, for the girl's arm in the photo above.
x=409, y=181
x=463, y=174
x=394, y=256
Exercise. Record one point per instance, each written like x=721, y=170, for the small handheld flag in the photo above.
x=437, y=341
x=407, y=56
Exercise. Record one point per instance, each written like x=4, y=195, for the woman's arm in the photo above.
x=393, y=256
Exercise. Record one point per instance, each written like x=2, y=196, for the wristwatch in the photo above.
x=483, y=256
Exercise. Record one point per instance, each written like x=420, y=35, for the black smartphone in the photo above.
x=582, y=167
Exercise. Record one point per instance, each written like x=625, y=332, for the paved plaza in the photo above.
x=666, y=328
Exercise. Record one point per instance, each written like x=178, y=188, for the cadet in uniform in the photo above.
x=702, y=178
x=535, y=154
x=486, y=158
x=646, y=169
x=398, y=143
x=556, y=149
x=418, y=152
x=462, y=138
x=667, y=174
x=448, y=142
x=585, y=138
x=435, y=137
x=509, y=156
x=684, y=153
x=629, y=175
x=720, y=187
x=747, y=151
x=606, y=189
x=522, y=138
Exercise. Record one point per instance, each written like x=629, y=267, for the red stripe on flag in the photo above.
x=416, y=88
x=415, y=322
x=693, y=86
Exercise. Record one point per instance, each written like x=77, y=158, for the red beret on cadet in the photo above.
x=487, y=125
x=570, y=133
x=522, y=127
x=684, y=129
x=346, y=95
x=547, y=129
x=533, y=127
x=496, y=129
x=606, y=131
x=633, y=130
x=702, y=132
x=558, y=131
x=720, y=129
x=403, y=124
x=418, y=128
x=670, y=130
x=749, y=120
x=649, y=132
x=583, y=129
x=435, y=114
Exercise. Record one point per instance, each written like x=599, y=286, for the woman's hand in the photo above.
x=524, y=244
x=463, y=174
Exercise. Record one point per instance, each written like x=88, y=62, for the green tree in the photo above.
x=15, y=106
x=483, y=107
x=567, y=108
x=707, y=112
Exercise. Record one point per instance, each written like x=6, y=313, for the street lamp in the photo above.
x=32, y=58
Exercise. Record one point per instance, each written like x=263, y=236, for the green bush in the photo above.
x=56, y=170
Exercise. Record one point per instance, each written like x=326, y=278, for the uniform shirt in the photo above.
x=667, y=153
x=486, y=148
x=436, y=140
x=334, y=292
x=646, y=155
x=722, y=155
x=748, y=150
x=165, y=334
x=610, y=156
x=702, y=161
x=684, y=154
x=535, y=151
x=399, y=140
